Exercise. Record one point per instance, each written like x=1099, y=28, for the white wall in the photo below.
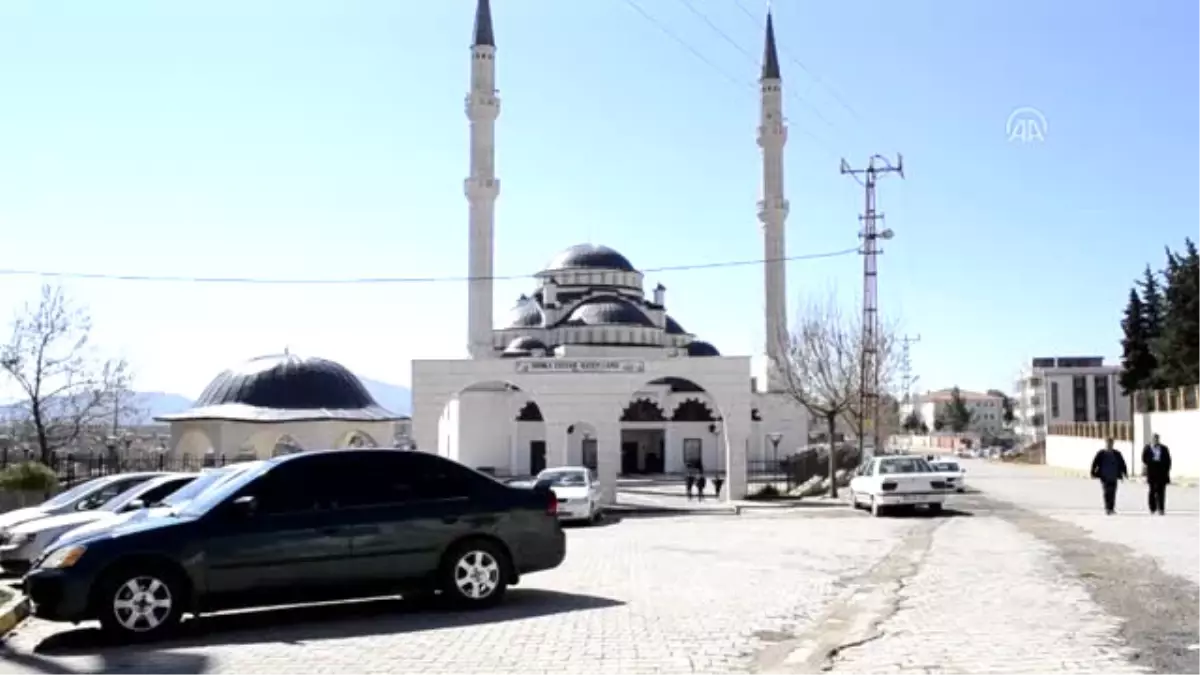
x=1179, y=430
x=1076, y=454
x=233, y=439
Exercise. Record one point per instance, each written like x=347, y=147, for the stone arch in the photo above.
x=643, y=410
x=693, y=410
x=357, y=439
x=506, y=437
x=193, y=446
x=286, y=445
x=582, y=445
x=708, y=451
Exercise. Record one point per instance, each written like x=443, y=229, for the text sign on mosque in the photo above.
x=556, y=365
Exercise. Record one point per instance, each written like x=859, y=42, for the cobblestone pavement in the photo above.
x=647, y=595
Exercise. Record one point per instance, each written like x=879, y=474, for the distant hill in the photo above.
x=151, y=404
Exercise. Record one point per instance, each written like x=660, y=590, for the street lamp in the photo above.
x=774, y=437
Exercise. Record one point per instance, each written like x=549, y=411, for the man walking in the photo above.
x=1109, y=467
x=1156, y=463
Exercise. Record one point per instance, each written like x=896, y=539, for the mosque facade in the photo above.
x=589, y=368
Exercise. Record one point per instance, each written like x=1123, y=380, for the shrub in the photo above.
x=766, y=492
x=28, y=477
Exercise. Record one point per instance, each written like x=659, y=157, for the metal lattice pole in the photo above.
x=868, y=417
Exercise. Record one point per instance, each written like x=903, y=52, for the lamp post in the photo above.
x=774, y=437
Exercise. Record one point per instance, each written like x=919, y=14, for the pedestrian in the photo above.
x=717, y=483
x=1156, y=464
x=700, y=483
x=1109, y=467
x=688, y=483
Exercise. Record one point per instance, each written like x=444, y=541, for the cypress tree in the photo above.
x=1177, y=344
x=1137, y=358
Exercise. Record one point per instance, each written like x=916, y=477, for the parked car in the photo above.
x=83, y=497
x=208, y=479
x=578, y=492
x=311, y=526
x=951, y=471
x=27, y=540
x=882, y=483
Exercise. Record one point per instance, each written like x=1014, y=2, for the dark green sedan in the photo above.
x=307, y=527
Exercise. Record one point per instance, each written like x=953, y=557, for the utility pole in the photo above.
x=906, y=365
x=870, y=234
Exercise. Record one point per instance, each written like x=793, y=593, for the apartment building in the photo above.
x=1066, y=389
x=987, y=410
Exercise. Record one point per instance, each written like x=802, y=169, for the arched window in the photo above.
x=692, y=410
x=643, y=410
x=286, y=445
x=530, y=412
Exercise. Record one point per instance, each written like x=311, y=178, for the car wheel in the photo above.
x=935, y=509
x=140, y=602
x=853, y=499
x=595, y=514
x=876, y=507
x=475, y=574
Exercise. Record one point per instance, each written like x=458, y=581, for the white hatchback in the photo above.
x=891, y=481
x=577, y=489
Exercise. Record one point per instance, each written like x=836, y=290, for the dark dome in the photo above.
x=285, y=388
x=608, y=311
x=525, y=343
x=590, y=256
x=526, y=314
x=701, y=348
x=673, y=327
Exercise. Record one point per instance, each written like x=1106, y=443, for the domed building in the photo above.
x=279, y=404
x=588, y=368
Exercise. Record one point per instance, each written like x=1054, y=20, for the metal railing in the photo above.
x=1167, y=400
x=1118, y=431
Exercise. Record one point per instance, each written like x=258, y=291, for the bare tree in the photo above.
x=68, y=392
x=820, y=368
x=884, y=421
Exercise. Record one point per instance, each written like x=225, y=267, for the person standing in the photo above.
x=701, y=483
x=1109, y=467
x=688, y=483
x=1156, y=463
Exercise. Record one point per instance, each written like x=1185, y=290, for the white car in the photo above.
x=27, y=541
x=882, y=483
x=577, y=489
x=172, y=503
x=83, y=497
x=953, y=473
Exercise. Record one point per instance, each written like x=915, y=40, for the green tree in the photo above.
x=1137, y=355
x=955, y=414
x=1006, y=406
x=1177, y=344
x=912, y=423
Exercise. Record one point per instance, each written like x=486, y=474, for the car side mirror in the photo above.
x=135, y=505
x=245, y=506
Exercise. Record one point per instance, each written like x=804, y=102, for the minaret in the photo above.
x=773, y=209
x=482, y=186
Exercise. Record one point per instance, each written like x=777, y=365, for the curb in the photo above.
x=13, y=613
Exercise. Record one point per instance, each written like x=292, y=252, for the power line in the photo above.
x=99, y=276
x=683, y=43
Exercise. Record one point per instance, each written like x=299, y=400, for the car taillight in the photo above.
x=937, y=484
x=888, y=487
x=551, y=503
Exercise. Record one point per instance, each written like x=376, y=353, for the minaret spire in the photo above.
x=482, y=187
x=773, y=209
x=483, y=25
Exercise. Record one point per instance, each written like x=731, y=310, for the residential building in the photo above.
x=987, y=410
x=1064, y=390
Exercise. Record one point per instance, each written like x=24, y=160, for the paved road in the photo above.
x=992, y=588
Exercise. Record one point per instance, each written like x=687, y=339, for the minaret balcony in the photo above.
x=478, y=187
x=771, y=134
x=482, y=107
x=775, y=205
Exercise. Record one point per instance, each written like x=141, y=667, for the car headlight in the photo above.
x=62, y=558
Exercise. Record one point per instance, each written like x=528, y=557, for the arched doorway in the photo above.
x=672, y=425
x=495, y=427
x=286, y=445
x=582, y=445
x=193, y=446
x=357, y=439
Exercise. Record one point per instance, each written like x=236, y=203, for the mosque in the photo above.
x=590, y=369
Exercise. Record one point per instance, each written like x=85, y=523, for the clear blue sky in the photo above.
x=327, y=139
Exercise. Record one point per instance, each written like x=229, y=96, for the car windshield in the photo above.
x=563, y=478
x=218, y=493
x=903, y=465
x=122, y=500
x=207, y=480
x=945, y=466
x=64, y=498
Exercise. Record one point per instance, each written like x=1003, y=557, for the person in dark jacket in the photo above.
x=1109, y=467
x=1156, y=463
x=701, y=483
x=689, y=482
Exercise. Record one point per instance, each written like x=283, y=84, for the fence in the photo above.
x=72, y=469
x=1118, y=431
x=1167, y=400
x=797, y=469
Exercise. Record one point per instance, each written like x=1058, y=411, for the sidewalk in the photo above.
x=1179, y=481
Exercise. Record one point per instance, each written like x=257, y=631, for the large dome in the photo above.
x=590, y=256
x=285, y=388
x=526, y=314
x=607, y=311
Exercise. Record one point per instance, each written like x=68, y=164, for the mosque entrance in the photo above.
x=537, y=457
x=643, y=451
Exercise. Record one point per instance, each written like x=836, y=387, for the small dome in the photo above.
x=590, y=256
x=527, y=314
x=673, y=327
x=285, y=388
x=701, y=348
x=525, y=343
x=608, y=311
